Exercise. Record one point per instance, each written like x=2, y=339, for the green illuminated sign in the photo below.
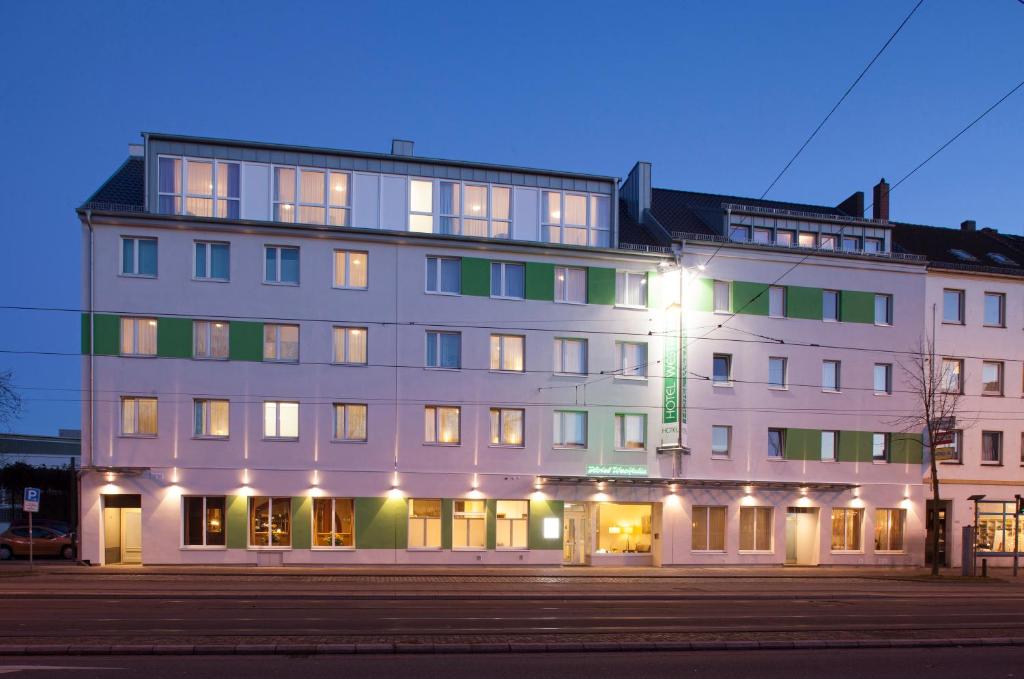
x=670, y=390
x=616, y=470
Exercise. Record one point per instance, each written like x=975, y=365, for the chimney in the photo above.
x=968, y=225
x=135, y=150
x=636, y=191
x=880, y=206
x=401, y=147
x=853, y=206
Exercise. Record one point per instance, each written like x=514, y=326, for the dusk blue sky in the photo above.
x=717, y=95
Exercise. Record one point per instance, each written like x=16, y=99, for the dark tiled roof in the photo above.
x=124, y=191
x=639, y=234
x=938, y=245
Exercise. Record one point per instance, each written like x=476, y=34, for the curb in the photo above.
x=490, y=647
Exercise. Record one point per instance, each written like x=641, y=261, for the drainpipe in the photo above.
x=677, y=456
x=92, y=382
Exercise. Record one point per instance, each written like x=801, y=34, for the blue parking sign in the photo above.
x=31, y=503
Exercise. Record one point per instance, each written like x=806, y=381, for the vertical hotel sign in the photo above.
x=673, y=394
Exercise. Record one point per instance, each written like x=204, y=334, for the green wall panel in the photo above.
x=107, y=330
x=174, y=337
x=703, y=294
x=245, y=341
x=540, y=510
x=803, y=302
x=237, y=521
x=446, y=524
x=856, y=307
x=86, y=335
x=854, y=446
x=750, y=298
x=540, y=281
x=600, y=285
x=476, y=277
x=803, y=444
x=492, y=524
x=302, y=522
x=906, y=448
x=381, y=523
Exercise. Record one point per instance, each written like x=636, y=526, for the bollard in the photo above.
x=984, y=568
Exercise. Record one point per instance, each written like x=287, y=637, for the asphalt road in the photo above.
x=942, y=663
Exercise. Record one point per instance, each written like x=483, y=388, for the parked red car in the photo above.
x=45, y=542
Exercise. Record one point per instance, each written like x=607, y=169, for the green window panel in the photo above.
x=237, y=518
x=107, y=330
x=447, y=510
x=750, y=298
x=803, y=444
x=174, y=337
x=654, y=300
x=906, y=448
x=803, y=302
x=854, y=446
x=856, y=307
x=600, y=285
x=540, y=281
x=381, y=523
x=703, y=294
x=245, y=341
x=476, y=277
x=492, y=524
x=302, y=522
x=540, y=510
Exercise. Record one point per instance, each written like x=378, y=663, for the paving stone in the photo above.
x=414, y=648
x=490, y=647
x=88, y=649
x=131, y=649
x=523, y=647
x=215, y=649
x=173, y=649
x=375, y=648
x=335, y=649
x=780, y=643
x=45, y=649
x=256, y=649
x=295, y=649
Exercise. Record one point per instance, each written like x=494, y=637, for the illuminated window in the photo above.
x=350, y=269
x=756, y=529
x=992, y=378
x=421, y=206
x=138, y=336
x=507, y=426
x=270, y=521
x=623, y=528
x=308, y=196
x=576, y=219
x=507, y=353
x=512, y=524
x=632, y=359
x=281, y=343
x=631, y=289
x=350, y=421
x=333, y=522
x=138, y=416
x=350, y=345
x=951, y=377
x=708, y=534
x=807, y=240
x=846, y=529
x=570, y=356
x=630, y=432
x=469, y=524
x=570, y=285
x=570, y=429
x=991, y=447
x=280, y=420
x=722, y=297
x=210, y=418
x=424, y=524
x=442, y=424
x=210, y=339
x=212, y=188
x=889, y=529
x=203, y=521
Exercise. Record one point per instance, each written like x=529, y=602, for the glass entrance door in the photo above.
x=574, y=534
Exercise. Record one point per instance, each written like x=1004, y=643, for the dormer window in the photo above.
x=962, y=255
x=1002, y=259
x=202, y=188
x=575, y=219
x=322, y=196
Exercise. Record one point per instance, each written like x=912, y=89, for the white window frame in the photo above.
x=440, y=277
x=502, y=339
x=622, y=425
x=135, y=257
x=277, y=342
x=630, y=372
x=184, y=518
x=503, y=280
x=590, y=228
x=205, y=329
x=1001, y=297
x=782, y=444
x=887, y=389
x=135, y=433
x=561, y=344
x=271, y=500
x=889, y=511
x=716, y=287
x=344, y=334
x=833, y=436
x=776, y=295
x=961, y=306
x=204, y=408
x=1001, y=440
x=887, y=321
x=470, y=518
x=728, y=364
x=1000, y=382
x=508, y=526
x=500, y=422
x=347, y=283
x=719, y=454
x=559, y=427
x=276, y=436
x=277, y=256
x=436, y=413
x=838, y=295
x=785, y=373
x=880, y=447
x=563, y=271
x=758, y=511
x=214, y=197
x=858, y=514
x=425, y=523
x=345, y=408
x=623, y=280
x=959, y=364
x=706, y=510
x=136, y=326
x=208, y=257
x=837, y=376
x=297, y=204
x=458, y=214
x=435, y=337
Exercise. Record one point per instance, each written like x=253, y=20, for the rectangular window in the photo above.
x=138, y=416
x=570, y=285
x=721, y=440
x=421, y=205
x=512, y=519
x=883, y=378
x=883, y=309
x=270, y=521
x=708, y=533
x=203, y=521
x=879, y=447
x=631, y=289
x=169, y=186
x=281, y=343
x=350, y=345
x=777, y=372
x=722, y=297
x=830, y=375
x=508, y=280
x=721, y=369
x=763, y=236
x=210, y=339
x=281, y=265
x=212, y=188
x=846, y=527
x=507, y=353
x=828, y=446
x=630, y=432
x=424, y=524
x=350, y=422
x=995, y=309
x=350, y=269
x=951, y=378
x=444, y=350
x=210, y=418
x=992, y=378
x=827, y=241
x=991, y=447
x=138, y=257
x=570, y=429
x=450, y=209
x=469, y=524
x=507, y=427
x=280, y=420
x=212, y=261
x=830, y=305
x=739, y=234
x=442, y=425
x=889, y=529
x=570, y=356
x=954, y=452
x=576, y=219
x=444, y=275
x=784, y=238
x=308, y=196
x=333, y=522
x=776, y=444
x=777, y=301
x=953, y=306
x=873, y=245
x=138, y=336
x=632, y=359
x=807, y=240
x=851, y=244
x=756, y=529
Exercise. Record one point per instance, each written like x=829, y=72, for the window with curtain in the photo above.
x=889, y=529
x=879, y=447
x=442, y=425
x=721, y=439
x=507, y=353
x=721, y=369
x=777, y=301
x=138, y=257
x=469, y=524
x=846, y=529
x=632, y=359
x=507, y=427
x=280, y=420
x=210, y=418
x=203, y=521
x=512, y=524
x=138, y=336
x=169, y=185
x=508, y=280
x=270, y=521
x=211, y=188
x=992, y=378
x=951, y=377
x=475, y=210
x=449, y=207
x=991, y=447
x=883, y=309
x=631, y=289
x=212, y=261
x=350, y=345
x=828, y=445
x=421, y=206
x=424, y=524
x=350, y=422
x=570, y=429
x=311, y=196
x=576, y=219
x=282, y=265
x=333, y=522
x=830, y=305
x=444, y=275
x=756, y=529
x=570, y=356
x=630, y=432
x=281, y=343
x=883, y=378
x=444, y=349
x=138, y=416
x=350, y=269
x=570, y=285
x=721, y=296
x=708, y=534
x=210, y=339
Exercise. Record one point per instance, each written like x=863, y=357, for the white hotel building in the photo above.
x=309, y=356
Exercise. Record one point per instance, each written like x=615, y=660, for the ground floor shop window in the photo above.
x=846, y=526
x=270, y=521
x=424, y=524
x=623, y=529
x=708, y=529
x=997, y=522
x=469, y=524
x=756, y=529
x=889, y=529
x=203, y=521
x=512, y=519
x=333, y=522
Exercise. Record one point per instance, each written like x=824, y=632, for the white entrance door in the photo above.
x=574, y=535
x=131, y=535
x=802, y=536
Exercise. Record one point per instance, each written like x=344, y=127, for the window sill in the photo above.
x=630, y=378
x=423, y=549
x=997, y=327
x=202, y=548
x=565, y=301
x=137, y=355
x=577, y=448
x=890, y=552
x=279, y=361
x=513, y=446
x=286, y=284
x=882, y=393
x=196, y=279
x=469, y=549
x=783, y=317
x=631, y=307
x=777, y=388
x=210, y=358
x=831, y=391
x=137, y=436
x=883, y=325
x=359, y=441
x=755, y=552
x=281, y=439
x=508, y=299
x=257, y=548
x=847, y=552
x=350, y=365
x=349, y=287
x=211, y=438
x=137, y=275
x=991, y=395
x=728, y=385
x=333, y=549
x=960, y=323
x=439, y=444
x=776, y=459
x=631, y=450
x=958, y=463
x=830, y=461
x=708, y=551
x=437, y=367
x=442, y=293
x=506, y=372
x=991, y=464
x=511, y=549
x=582, y=375
x=879, y=462
x=720, y=457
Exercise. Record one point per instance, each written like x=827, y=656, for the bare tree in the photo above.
x=938, y=393
x=10, y=400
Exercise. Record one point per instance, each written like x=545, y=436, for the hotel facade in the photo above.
x=310, y=356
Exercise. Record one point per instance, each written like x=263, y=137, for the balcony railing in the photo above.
x=713, y=238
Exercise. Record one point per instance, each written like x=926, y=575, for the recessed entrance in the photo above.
x=802, y=536
x=122, y=529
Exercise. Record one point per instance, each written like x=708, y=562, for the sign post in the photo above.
x=30, y=505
